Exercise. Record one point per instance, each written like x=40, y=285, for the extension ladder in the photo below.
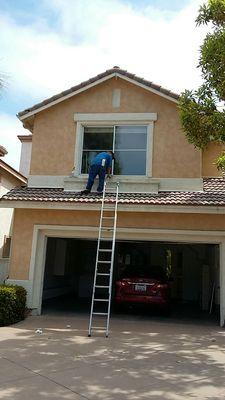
x=102, y=287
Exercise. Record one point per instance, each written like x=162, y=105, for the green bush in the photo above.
x=12, y=304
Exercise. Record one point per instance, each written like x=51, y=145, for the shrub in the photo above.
x=12, y=304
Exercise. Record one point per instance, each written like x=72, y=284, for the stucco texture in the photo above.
x=24, y=221
x=54, y=133
x=210, y=154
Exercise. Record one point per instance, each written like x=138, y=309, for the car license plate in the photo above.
x=140, y=288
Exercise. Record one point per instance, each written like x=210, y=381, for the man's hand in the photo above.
x=109, y=176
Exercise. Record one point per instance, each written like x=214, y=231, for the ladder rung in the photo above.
x=105, y=268
x=101, y=287
x=99, y=327
x=104, y=262
x=107, y=300
x=100, y=313
x=106, y=250
x=101, y=274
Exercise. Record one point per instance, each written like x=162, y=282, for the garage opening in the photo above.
x=187, y=275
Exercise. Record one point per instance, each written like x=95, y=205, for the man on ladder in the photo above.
x=101, y=165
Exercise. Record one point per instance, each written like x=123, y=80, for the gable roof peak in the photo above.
x=115, y=71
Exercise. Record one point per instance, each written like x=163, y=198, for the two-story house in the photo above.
x=171, y=203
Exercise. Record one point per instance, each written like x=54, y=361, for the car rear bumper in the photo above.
x=151, y=300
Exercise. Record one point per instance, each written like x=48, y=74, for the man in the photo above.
x=101, y=165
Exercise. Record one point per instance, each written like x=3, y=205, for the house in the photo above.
x=9, y=178
x=171, y=203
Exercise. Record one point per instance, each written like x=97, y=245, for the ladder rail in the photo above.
x=110, y=262
x=96, y=261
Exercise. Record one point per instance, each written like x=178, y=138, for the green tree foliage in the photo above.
x=202, y=111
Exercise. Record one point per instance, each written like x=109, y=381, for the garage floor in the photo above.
x=142, y=359
x=188, y=313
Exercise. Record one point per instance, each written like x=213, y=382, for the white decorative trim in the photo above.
x=116, y=95
x=28, y=285
x=78, y=148
x=165, y=184
x=149, y=150
x=41, y=108
x=180, y=184
x=41, y=232
x=115, y=117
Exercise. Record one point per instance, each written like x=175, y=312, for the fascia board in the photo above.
x=117, y=74
x=121, y=207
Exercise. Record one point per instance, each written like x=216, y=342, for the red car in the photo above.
x=147, y=287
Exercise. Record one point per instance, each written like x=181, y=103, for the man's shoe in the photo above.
x=100, y=193
x=86, y=191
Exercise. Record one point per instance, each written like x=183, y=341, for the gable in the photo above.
x=54, y=130
x=83, y=86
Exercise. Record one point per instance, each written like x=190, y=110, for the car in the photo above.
x=143, y=286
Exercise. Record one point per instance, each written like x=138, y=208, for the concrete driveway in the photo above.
x=143, y=358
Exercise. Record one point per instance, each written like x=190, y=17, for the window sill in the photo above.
x=128, y=184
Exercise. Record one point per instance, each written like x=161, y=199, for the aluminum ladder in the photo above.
x=102, y=286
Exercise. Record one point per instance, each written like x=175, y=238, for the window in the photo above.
x=128, y=142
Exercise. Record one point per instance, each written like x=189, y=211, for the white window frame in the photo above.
x=114, y=119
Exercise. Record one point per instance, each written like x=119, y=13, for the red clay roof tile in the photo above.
x=213, y=194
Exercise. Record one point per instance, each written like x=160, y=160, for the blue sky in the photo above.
x=50, y=45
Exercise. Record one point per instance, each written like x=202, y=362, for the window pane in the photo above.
x=87, y=158
x=98, y=138
x=131, y=137
x=130, y=163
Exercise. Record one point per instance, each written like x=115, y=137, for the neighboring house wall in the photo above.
x=6, y=214
x=25, y=155
x=25, y=219
x=54, y=134
x=4, y=269
x=6, y=220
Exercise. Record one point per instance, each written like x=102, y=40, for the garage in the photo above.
x=190, y=270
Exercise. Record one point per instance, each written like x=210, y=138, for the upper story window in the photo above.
x=128, y=142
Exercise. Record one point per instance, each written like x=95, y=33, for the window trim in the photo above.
x=113, y=119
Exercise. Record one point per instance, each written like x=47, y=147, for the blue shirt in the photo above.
x=99, y=160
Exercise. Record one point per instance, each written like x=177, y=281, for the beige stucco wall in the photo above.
x=209, y=156
x=55, y=131
x=24, y=221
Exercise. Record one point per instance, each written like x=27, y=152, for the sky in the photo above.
x=47, y=46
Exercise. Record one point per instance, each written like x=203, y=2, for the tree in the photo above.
x=202, y=112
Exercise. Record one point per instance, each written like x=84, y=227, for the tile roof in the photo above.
x=212, y=195
x=81, y=85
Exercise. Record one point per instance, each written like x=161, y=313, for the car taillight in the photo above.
x=160, y=286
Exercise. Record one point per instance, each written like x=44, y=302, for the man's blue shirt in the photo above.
x=98, y=160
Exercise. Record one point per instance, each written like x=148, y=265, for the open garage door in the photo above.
x=189, y=271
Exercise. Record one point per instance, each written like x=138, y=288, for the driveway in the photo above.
x=143, y=358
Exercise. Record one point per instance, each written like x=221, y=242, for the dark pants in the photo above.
x=93, y=172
